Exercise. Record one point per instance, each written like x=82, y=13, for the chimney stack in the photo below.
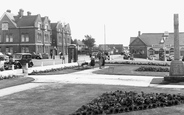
x=139, y=33
x=8, y=11
x=21, y=12
x=29, y=13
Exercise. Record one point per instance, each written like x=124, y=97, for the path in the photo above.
x=86, y=77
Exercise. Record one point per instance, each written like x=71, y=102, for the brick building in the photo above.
x=156, y=44
x=61, y=37
x=32, y=33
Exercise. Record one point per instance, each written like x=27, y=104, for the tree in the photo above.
x=75, y=41
x=89, y=41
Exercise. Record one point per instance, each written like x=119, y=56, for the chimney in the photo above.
x=139, y=33
x=21, y=12
x=29, y=13
x=8, y=11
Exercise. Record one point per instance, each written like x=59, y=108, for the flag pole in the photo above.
x=104, y=38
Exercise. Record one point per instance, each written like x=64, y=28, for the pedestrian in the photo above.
x=100, y=59
x=103, y=60
x=51, y=54
x=60, y=55
x=92, y=63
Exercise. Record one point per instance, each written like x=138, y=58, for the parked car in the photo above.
x=18, y=60
x=37, y=56
x=3, y=59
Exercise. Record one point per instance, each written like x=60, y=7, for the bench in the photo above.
x=82, y=63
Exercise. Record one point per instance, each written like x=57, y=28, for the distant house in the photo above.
x=126, y=49
x=24, y=33
x=156, y=44
x=112, y=48
x=80, y=45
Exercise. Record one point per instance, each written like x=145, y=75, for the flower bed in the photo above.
x=35, y=72
x=9, y=77
x=119, y=102
x=153, y=69
x=138, y=63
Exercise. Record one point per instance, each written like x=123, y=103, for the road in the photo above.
x=57, y=60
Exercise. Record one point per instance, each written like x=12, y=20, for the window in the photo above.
x=156, y=52
x=39, y=26
x=22, y=38
x=7, y=39
x=39, y=38
x=9, y=49
x=25, y=38
x=25, y=49
x=46, y=27
x=11, y=38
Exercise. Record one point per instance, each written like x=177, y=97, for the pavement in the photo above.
x=86, y=77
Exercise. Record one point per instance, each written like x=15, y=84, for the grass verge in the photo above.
x=14, y=81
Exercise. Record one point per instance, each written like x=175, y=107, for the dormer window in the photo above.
x=39, y=26
x=46, y=27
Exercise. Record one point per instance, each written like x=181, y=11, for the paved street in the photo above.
x=57, y=60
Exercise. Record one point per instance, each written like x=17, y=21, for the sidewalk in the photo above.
x=87, y=77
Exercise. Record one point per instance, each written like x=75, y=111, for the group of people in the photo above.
x=101, y=57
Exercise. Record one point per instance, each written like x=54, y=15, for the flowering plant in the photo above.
x=119, y=102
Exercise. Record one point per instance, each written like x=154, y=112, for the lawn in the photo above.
x=123, y=69
x=64, y=99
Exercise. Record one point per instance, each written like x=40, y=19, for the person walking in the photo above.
x=100, y=59
x=103, y=60
x=92, y=63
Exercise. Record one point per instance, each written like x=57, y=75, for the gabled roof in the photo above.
x=155, y=38
x=132, y=39
x=10, y=16
x=25, y=20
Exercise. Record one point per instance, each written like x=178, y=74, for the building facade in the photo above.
x=32, y=33
x=156, y=44
x=61, y=37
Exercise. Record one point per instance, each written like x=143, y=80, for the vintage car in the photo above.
x=18, y=60
x=3, y=59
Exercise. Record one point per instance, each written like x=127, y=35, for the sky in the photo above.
x=107, y=21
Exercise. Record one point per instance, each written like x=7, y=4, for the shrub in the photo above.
x=153, y=69
x=9, y=77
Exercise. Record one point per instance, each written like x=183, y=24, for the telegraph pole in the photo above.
x=104, y=38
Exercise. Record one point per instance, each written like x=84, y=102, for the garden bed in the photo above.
x=120, y=102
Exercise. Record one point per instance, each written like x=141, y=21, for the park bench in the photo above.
x=82, y=63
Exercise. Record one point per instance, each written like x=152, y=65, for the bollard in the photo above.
x=25, y=69
x=13, y=67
